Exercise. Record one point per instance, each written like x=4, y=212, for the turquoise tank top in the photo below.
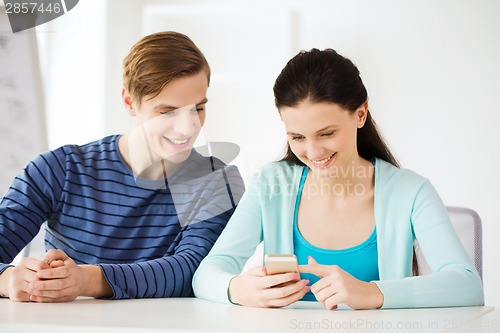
x=361, y=261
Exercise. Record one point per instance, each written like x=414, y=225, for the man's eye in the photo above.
x=328, y=134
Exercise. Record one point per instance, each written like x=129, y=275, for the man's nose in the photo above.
x=186, y=122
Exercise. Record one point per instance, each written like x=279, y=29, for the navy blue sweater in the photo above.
x=148, y=240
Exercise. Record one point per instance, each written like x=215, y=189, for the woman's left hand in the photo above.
x=337, y=286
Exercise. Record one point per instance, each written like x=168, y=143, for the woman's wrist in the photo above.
x=377, y=298
x=231, y=290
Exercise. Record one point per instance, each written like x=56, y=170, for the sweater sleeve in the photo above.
x=454, y=281
x=231, y=251
x=171, y=275
x=28, y=203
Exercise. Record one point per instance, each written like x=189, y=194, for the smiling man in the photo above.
x=132, y=215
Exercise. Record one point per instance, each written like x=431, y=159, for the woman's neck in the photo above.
x=355, y=178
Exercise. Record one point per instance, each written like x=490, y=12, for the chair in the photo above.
x=467, y=224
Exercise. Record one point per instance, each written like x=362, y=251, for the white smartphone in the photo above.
x=280, y=263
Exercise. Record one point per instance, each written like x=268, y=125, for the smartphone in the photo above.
x=281, y=263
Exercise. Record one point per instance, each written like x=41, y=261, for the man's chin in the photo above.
x=178, y=157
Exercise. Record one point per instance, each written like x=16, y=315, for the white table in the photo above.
x=487, y=323
x=196, y=315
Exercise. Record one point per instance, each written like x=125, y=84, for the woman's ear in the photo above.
x=362, y=114
x=128, y=102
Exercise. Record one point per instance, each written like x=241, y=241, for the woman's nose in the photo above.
x=315, y=151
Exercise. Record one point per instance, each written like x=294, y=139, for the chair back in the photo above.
x=468, y=227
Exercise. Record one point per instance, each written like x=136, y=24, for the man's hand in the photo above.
x=15, y=281
x=61, y=281
x=64, y=281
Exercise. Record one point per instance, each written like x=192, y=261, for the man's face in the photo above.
x=171, y=121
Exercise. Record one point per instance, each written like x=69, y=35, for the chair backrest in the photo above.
x=467, y=224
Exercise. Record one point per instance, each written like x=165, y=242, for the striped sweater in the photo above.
x=148, y=240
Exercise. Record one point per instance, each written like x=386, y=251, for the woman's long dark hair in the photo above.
x=325, y=76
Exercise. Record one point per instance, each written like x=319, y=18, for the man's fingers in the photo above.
x=36, y=287
x=34, y=264
x=56, y=263
x=60, y=272
x=52, y=255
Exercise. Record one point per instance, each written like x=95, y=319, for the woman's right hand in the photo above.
x=256, y=288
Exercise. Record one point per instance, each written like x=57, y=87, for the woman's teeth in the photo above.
x=323, y=161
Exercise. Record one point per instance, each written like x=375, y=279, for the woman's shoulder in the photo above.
x=276, y=181
x=392, y=176
x=279, y=171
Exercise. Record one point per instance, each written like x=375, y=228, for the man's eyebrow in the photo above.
x=203, y=101
x=171, y=107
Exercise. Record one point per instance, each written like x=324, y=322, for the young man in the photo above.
x=128, y=216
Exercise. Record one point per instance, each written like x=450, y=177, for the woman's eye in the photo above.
x=297, y=137
x=328, y=134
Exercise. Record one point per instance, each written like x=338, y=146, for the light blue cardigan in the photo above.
x=407, y=207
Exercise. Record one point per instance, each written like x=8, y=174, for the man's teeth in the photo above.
x=178, y=142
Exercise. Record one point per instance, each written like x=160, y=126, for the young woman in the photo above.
x=341, y=204
x=128, y=216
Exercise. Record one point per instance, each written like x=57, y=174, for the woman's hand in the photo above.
x=256, y=288
x=337, y=286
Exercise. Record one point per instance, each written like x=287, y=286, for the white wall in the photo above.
x=72, y=58
x=431, y=69
x=72, y=53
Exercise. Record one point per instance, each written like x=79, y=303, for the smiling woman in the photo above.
x=349, y=213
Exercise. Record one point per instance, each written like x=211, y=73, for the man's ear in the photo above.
x=128, y=102
x=362, y=114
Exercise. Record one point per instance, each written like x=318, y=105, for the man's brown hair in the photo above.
x=159, y=58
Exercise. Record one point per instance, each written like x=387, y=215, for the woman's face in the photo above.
x=323, y=135
x=171, y=121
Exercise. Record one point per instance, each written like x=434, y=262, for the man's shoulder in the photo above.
x=104, y=146
x=97, y=152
